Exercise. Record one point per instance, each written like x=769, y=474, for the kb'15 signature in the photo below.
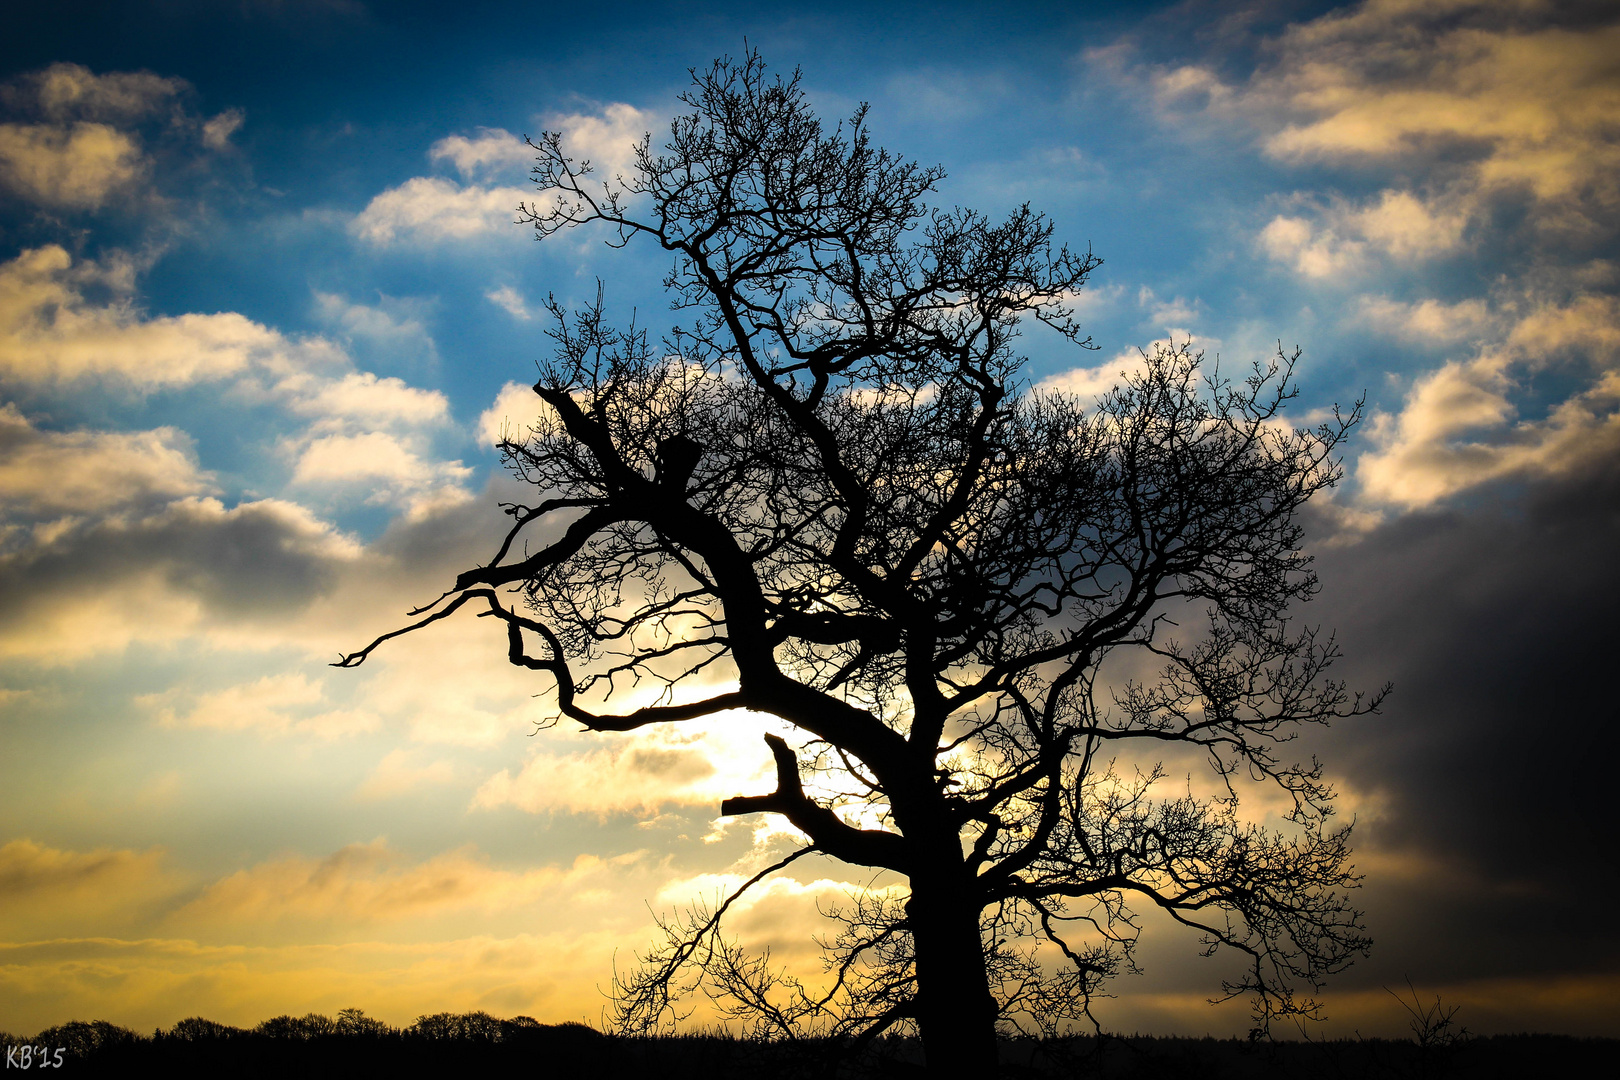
x=34, y=1057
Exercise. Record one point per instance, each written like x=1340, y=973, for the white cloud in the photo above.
x=381, y=466
x=1313, y=252
x=607, y=139
x=1477, y=100
x=1337, y=239
x=363, y=430
x=1166, y=314
x=366, y=399
x=517, y=408
x=372, y=456
x=434, y=209
x=391, y=322
x=51, y=333
x=491, y=150
x=430, y=209
x=48, y=473
x=511, y=301
x=1426, y=321
x=1492, y=126
x=1089, y=382
x=1407, y=227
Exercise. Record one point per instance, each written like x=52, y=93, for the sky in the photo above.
x=264, y=311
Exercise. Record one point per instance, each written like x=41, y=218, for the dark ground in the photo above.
x=477, y=1044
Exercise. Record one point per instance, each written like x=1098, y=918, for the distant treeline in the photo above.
x=445, y=1043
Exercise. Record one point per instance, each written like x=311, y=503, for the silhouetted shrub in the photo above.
x=82, y=1038
x=311, y=1026
x=195, y=1028
x=354, y=1023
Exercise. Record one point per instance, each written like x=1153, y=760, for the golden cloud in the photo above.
x=1459, y=426
x=44, y=474
x=74, y=168
x=46, y=891
x=688, y=764
x=86, y=147
x=50, y=332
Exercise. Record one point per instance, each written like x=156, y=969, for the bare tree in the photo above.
x=825, y=497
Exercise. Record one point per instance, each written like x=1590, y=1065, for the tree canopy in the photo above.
x=824, y=494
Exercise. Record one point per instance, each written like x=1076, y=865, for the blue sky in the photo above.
x=262, y=307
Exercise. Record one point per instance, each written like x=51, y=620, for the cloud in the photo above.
x=47, y=474
x=30, y=871
x=217, y=131
x=1487, y=131
x=1515, y=103
x=392, y=323
x=365, y=399
x=491, y=150
x=1091, y=382
x=52, y=332
x=73, y=168
x=364, y=431
x=86, y=143
x=511, y=301
x=383, y=467
x=1310, y=251
x=65, y=91
x=271, y=704
x=1474, y=105
x=429, y=210
x=97, y=585
x=255, y=942
x=1337, y=240
x=1460, y=427
x=1493, y=618
x=516, y=409
x=1427, y=321
x=434, y=210
x=46, y=890
x=1483, y=95
x=1095, y=381
x=677, y=764
x=153, y=981
x=396, y=775
x=607, y=139
x=367, y=883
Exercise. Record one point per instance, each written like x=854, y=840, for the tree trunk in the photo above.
x=955, y=1012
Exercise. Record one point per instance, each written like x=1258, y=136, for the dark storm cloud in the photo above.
x=1495, y=756
x=263, y=558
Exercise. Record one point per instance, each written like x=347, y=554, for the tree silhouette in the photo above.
x=825, y=497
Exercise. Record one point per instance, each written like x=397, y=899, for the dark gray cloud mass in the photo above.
x=260, y=558
x=1493, y=762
